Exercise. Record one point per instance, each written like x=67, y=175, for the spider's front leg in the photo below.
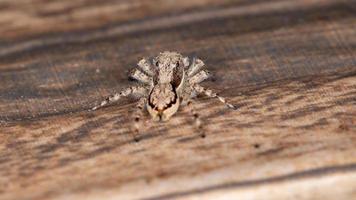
x=138, y=115
x=197, y=119
x=211, y=94
x=140, y=90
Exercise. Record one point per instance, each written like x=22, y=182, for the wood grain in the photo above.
x=289, y=66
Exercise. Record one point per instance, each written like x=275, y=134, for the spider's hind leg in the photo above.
x=141, y=77
x=146, y=66
x=195, y=67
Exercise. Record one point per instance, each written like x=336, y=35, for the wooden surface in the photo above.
x=290, y=67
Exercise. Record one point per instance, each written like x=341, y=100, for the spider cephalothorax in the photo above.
x=165, y=96
x=168, y=82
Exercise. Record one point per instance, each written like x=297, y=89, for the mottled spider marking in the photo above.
x=170, y=81
x=141, y=77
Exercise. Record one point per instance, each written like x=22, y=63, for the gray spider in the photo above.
x=170, y=81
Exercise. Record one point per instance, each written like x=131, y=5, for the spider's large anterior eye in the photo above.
x=157, y=63
x=177, y=64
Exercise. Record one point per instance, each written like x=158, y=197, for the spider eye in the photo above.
x=157, y=63
x=177, y=64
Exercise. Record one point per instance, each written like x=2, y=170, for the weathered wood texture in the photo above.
x=290, y=67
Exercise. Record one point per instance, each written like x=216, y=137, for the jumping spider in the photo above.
x=170, y=81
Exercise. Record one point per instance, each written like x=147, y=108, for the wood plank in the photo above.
x=289, y=66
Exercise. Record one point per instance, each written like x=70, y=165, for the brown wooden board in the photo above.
x=289, y=67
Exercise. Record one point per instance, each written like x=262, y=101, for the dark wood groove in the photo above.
x=350, y=168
